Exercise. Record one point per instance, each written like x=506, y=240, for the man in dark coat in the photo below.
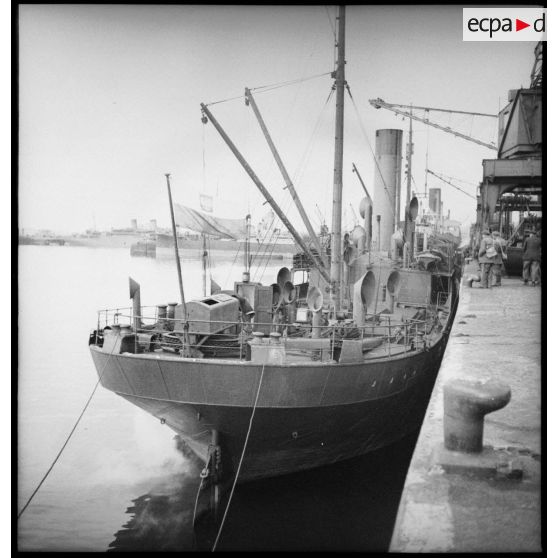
x=531, y=259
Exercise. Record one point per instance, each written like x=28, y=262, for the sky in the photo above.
x=109, y=101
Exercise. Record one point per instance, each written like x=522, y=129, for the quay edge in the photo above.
x=497, y=335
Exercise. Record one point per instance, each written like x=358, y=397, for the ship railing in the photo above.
x=230, y=339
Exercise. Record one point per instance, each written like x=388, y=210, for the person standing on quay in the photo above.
x=487, y=255
x=499, y=245
x=531, y=259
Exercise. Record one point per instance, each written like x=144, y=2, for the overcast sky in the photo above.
x=110, y=101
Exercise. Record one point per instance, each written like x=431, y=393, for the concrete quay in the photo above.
x=488, y=501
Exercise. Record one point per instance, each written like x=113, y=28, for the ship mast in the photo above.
x=336, y=256
x=409, y=161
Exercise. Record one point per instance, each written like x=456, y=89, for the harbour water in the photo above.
x=120, y=483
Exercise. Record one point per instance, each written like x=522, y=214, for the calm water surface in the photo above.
x=121, y=484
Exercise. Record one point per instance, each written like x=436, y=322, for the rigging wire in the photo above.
x=268, y=253
x=334, y=31
x=304, y=159
x=359, y=118
x=331, y=24
x=70, y=434
x=233, y=264
x=457, y=188
x=296, y=177
x=270, y=87
x=457, y=179
x=264, y=245
x=275, y=243
x=427, y=153
x=267, y=243
x=216, y=542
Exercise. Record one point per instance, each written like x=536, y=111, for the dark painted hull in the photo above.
x=307, y=415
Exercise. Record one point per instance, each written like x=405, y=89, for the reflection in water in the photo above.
x=161, y=520
x=349, y=506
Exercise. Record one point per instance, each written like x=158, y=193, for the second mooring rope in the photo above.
x=240, y=461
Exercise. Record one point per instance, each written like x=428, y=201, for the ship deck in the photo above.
x=450, y=502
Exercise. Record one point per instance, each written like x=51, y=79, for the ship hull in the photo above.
x=166, y=241
x=306, y=416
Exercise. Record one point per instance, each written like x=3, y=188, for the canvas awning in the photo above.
x=208, y=224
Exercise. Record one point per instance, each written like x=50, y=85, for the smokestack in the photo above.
x=135, y=296
x=435, y=201
x=134, y=224
x=387, y=185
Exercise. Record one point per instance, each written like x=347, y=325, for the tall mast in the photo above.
x=409, y=157
x=336, y=256
x=176, y=253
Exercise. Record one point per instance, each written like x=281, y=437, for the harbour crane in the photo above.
x=397, y=109
x=450, y=183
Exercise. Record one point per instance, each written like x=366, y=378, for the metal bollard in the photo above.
x=258, y=338
x=465, y=404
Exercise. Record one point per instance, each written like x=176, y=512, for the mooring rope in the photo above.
x=69, y=435
x=240, y=461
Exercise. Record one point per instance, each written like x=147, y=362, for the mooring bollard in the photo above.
x=470, y=279
x=465, y=404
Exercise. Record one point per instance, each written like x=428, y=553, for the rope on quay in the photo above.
x=240, y=461
x=70, y=434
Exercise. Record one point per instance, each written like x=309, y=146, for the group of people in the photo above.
x=492, y=253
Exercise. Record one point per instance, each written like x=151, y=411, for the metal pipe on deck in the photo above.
x=136, y=304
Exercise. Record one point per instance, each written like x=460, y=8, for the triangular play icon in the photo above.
x=519, y=25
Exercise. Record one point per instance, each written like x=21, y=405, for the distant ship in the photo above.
x=265, y=241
